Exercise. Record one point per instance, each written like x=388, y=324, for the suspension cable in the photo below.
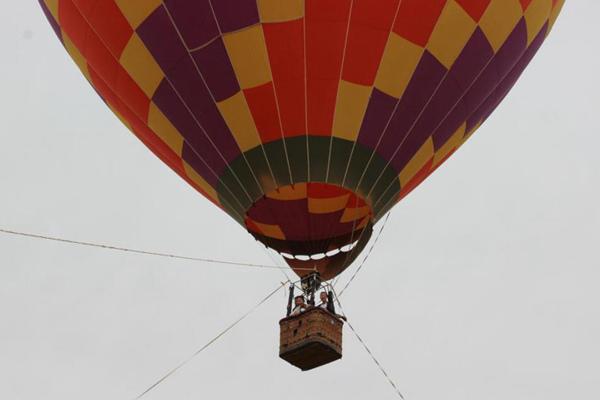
x=210, y=342
x=135, y=251
x=277, y=262
x=367, y=255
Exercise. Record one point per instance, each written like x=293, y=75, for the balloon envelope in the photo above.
x=304, y=120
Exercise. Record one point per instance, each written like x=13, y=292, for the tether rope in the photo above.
x=135, y=251
x=367, y=255
x=362, y=342
x=213, y=340
x=391, y=382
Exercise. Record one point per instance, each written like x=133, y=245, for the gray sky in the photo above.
x=492, y=296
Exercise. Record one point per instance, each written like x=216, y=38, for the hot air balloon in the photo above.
x=306, y=121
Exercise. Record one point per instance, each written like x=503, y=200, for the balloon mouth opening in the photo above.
x=312, y=225
x=319, y=256
x=329, y=262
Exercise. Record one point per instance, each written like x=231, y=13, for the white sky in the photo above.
x=493, y=295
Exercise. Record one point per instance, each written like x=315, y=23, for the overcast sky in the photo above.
x=493, y=295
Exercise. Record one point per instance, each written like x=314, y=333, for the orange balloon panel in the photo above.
x=305, y=120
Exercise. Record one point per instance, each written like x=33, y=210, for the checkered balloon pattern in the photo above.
x=304, y=120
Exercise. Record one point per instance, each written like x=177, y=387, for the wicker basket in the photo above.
x=311, y=339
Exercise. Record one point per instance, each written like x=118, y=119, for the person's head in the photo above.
x=324, y=297
x=299, y=300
